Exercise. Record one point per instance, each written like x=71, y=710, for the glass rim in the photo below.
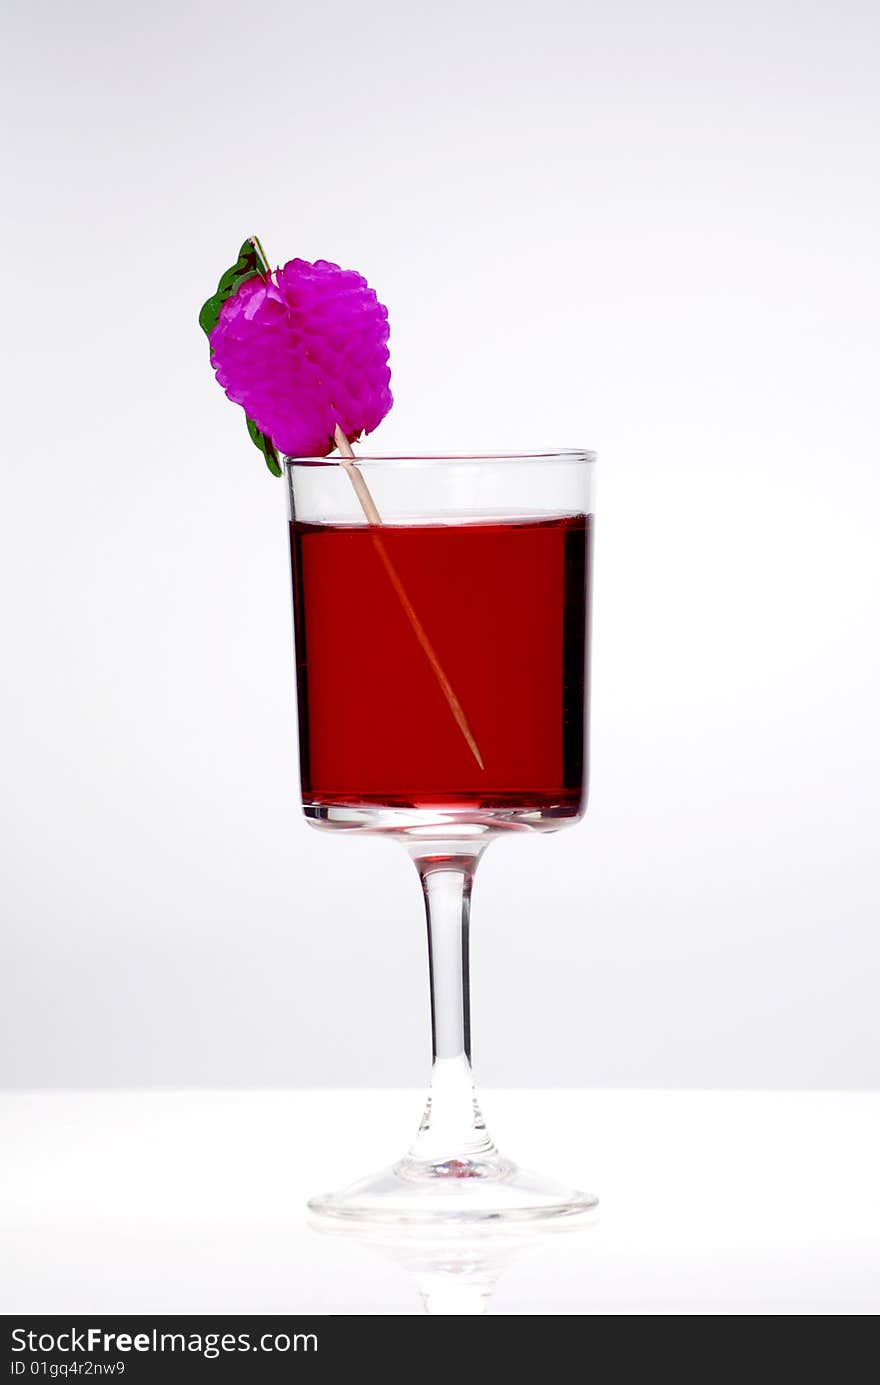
x=559, y=454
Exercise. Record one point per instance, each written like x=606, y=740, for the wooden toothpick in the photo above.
x=368, y=505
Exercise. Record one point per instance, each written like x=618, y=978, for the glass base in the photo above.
x=446, y=824
x=462, y=1191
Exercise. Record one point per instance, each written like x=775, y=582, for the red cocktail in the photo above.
x=441, y=607
x=505, y=602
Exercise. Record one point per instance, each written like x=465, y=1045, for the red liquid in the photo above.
x=505, y=606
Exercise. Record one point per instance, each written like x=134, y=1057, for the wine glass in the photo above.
x=441, y=616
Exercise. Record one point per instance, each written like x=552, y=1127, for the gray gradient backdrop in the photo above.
x=647, y=229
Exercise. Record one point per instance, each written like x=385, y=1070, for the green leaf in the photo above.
x=249, y=263
x=266, y=446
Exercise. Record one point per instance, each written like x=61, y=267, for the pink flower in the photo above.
x=302, y=351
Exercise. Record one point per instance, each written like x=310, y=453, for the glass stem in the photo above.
x=453, y=1134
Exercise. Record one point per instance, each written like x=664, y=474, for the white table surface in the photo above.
x=177, y=1202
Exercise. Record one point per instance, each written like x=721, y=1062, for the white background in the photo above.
x=148, y=1203
x=648, y=230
